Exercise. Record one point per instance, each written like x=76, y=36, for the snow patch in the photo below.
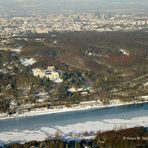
x=145, y=84
x=17, y=50
x=125, y=52
x=28, y=61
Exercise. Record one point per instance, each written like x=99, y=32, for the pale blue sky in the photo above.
x=56, y=5
x=75, y=3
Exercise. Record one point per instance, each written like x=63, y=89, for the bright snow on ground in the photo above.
x=28, y=61
x=145, y=84
x=17, y=50
x=144, y=97
x=125, y=52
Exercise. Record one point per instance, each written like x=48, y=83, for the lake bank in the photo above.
x=45, y=111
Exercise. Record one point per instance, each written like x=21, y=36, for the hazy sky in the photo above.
x=20, y=6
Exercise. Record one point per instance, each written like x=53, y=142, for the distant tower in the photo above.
x=98, y=14
x=102, y=16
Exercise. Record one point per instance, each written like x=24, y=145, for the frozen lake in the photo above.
x=126, y=112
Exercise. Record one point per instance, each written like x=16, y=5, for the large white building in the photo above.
x=48, y=73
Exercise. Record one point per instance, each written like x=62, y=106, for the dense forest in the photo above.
x=105, y=65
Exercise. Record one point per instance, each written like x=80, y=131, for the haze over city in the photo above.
x=25, y=7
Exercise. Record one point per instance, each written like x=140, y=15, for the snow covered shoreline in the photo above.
x=45, y=111
x=71, y=130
